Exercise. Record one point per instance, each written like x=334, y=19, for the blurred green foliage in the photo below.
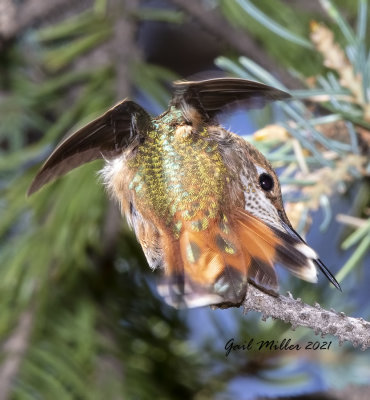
x=97, y=329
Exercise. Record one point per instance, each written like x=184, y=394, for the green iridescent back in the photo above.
x=180, y=174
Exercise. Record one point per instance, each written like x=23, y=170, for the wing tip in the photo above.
x=33, y=188
x=41, y=179
x=30, y=191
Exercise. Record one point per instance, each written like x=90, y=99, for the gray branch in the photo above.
x=16, y=16
x=13, y=352
x=297, y=313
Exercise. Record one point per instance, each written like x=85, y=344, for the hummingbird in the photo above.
x=205, y=204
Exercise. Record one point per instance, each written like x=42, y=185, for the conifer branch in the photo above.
x=213, y=22
x=297, y=313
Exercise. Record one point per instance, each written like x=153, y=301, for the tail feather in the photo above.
x=293, y=237
x=211, y=266
x=282, y=248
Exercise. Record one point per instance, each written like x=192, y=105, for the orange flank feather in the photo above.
x=259, y=245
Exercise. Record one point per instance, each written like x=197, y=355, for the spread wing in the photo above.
x=214, y=95
x=105, y=137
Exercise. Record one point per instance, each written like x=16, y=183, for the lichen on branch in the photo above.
x=297, y=313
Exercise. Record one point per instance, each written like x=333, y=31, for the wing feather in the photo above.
x=214, y=95
x=105, y=137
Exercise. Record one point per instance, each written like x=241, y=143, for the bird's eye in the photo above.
x=266, y=182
